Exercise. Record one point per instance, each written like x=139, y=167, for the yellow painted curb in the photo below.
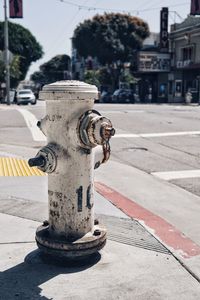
x=11, y=166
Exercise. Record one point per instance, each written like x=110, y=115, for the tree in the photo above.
x=110, y=37
x=91, y=77
x=23, y=45
x=15, y=72
x=55, y=69
x=105, y=77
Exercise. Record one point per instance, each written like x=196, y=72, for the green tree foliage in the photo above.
x=91, y=77
x=39, y=78
x=53, y=70
x=15, y=72
x=110, y=37
x=105, y=76
x=23, y=45
x=100, y=77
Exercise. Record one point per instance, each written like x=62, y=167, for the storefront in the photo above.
x=185, y=48
x=153, y=69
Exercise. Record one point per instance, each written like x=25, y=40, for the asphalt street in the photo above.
x=168, y=139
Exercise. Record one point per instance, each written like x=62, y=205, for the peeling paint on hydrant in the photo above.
x=73, y=130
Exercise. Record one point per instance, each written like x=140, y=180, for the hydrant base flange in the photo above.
x=85, y=246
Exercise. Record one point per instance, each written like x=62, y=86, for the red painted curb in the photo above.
x=166, y=232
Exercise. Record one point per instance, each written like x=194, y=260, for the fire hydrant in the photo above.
x=72, y=129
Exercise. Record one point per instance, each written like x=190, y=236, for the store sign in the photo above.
x=195, y=7
x=183, y=63
x=153, y=62
x=164, y=39
x=15, y=7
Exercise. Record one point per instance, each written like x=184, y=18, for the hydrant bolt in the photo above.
x=97, y=232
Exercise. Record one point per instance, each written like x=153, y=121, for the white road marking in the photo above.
x=176, y=133
x=177, y=174
x=126, y=135
x=31, y=122
x=121, y=111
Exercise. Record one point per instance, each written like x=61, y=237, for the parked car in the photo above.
x=106, y=97
x=123, y=96
x=25, y=96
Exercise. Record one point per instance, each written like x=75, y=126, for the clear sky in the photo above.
x=52, y=22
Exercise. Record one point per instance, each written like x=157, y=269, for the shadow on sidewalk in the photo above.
x=22, y=281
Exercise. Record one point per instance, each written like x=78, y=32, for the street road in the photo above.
x=165, y=141
x=158, y=143
x=162, y=140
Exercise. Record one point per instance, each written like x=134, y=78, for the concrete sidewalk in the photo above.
x=120, y=272
x=133, y=265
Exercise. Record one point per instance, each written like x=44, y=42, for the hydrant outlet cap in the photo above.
x=69, y=90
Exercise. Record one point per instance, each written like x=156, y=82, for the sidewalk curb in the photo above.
x=180, y=246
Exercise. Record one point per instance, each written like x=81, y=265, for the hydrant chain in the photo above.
x=106, y=151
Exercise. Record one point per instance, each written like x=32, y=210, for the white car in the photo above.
x=25, y=96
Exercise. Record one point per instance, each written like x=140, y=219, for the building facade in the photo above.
x=185, y=60
x=162, y=76
x=153, y=67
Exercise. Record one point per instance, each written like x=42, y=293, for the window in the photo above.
x=170, y=87
x=178, y=88
x=187, y=53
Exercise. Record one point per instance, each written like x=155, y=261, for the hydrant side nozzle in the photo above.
x=37, y=161
x=94, y=129
x=46, y=159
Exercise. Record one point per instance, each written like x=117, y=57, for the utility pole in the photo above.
x=6, y=53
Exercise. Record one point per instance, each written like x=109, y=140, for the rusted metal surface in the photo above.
x=96, y=130
x=89, y=244
x=73, y=129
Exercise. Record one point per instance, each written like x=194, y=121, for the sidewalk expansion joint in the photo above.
x=14, y=243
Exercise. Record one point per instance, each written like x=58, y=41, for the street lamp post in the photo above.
x=6, y=53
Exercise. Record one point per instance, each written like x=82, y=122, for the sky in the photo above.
x=53, y=22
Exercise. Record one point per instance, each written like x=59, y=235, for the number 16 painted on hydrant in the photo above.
x=73, y=130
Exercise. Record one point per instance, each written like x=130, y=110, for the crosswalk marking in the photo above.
x=177, y=174
x=159, y=134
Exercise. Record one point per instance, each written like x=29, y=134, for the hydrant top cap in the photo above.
x=71, y=89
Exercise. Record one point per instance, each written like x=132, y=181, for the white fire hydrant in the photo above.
x=73, y=129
